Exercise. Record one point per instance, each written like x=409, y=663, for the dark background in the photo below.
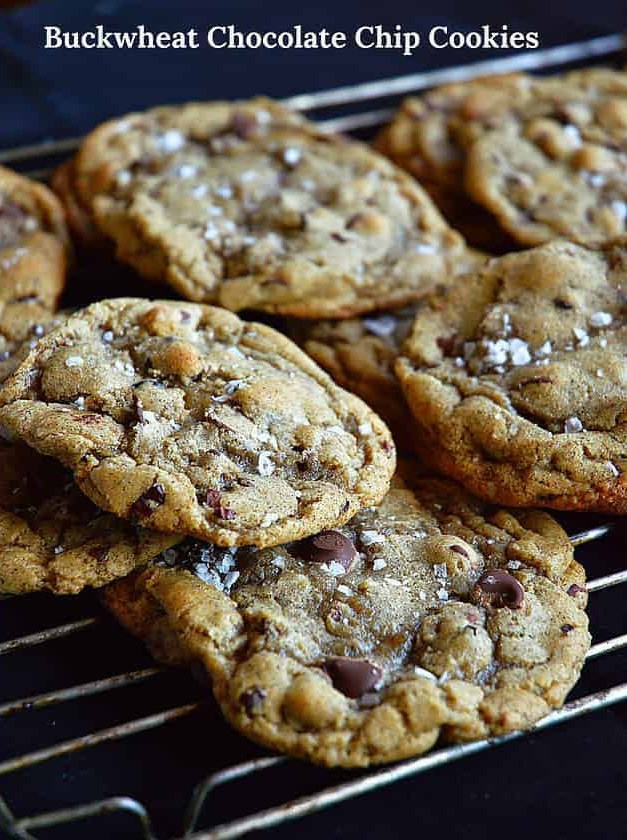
x=568, y=782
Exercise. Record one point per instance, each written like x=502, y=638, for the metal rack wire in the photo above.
x=22, y=827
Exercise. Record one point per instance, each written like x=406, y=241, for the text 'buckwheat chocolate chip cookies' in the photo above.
x=429, y=616
x=33, y=261
x=248, y=205
x=517, y=380
x=52, y=537
x=187, y=420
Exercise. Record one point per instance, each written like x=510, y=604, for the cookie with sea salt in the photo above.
x=33, y=242
x=33, y=262
x=21, y=326
x=432, y=616
x=52, y=537
x=248, y=205
x=188, y=420
x=516, y=379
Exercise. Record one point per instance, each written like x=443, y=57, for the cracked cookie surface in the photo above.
x=52, y=537
x=516, y=380
x=188, y=420
x=430, y=616
x=248, y=205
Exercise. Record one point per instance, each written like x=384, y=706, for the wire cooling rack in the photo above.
x=30, y=160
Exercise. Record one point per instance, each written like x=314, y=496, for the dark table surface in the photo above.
x=568, y=782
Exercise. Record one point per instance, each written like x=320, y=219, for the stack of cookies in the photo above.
x=233, y=488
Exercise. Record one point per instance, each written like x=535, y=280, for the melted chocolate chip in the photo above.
x=353, y=677
x=497, y=588
x=243, y=125
x=387, y=447
x=327, y=547
x=459, y=549
x=149, y=501
x=562, y=304
x=225, y=513
x=213, y=498
x=252, y=699
x=566, y=628
x=450, y=345
x=139, y=410
x=574, y=589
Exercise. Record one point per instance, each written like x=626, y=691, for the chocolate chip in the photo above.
x=10, y=210
x=566, y=628
x=213, y=498
x=139, y=410
x=354, y=220
x=497, y=588
x=327, y=547
x=100, y=553
x=149, y=501
x=225, y=513
x=185, y=316
x=353, y=677
x=252, y=699
x=562, y=304
x=574, y=589
x=339, y=238
x=88, y=419
x=243, y=125
x=448, y=344
x=458, y=549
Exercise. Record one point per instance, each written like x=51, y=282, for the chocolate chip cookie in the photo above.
x=423, y=139
x=52, y=537
x=33, y=261
x=430, y=616
x=248, y=205
x=558, y=169
x=359, y=353
x=545, y=157
x=188, y=420
x=33, y=242
x=21, y=326
x=516, y=379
